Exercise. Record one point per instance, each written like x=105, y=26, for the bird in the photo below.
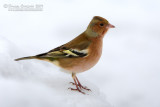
x=79, y=54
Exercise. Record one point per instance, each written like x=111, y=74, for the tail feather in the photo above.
x=24, y=58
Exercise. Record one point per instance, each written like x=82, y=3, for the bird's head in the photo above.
x=98, y=27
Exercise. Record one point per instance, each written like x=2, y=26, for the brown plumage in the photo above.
x=81, y=53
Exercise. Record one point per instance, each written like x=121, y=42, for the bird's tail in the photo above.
x=24, y=58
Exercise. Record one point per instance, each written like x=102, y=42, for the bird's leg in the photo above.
x=74, y=77
x=75, y=82
x=80, y=86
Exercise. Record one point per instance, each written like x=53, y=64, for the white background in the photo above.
x=127, y=75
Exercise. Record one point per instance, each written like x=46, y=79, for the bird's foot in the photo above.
x=80, y=86
x=84, y=87
x=77, y=89
x=72, y=83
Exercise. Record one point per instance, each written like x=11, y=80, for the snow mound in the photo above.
x=33, y=83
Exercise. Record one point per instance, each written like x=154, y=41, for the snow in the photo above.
x=128, y=74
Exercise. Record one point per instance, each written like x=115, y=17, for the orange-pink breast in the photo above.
x=77, y=65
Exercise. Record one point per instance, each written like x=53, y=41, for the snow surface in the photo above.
x=128, y=74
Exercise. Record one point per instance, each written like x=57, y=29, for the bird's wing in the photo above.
x=78, y=50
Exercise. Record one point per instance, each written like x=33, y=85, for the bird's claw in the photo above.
x=80, y=86
x=72, y=83
x=77, y=90
x=85, y=88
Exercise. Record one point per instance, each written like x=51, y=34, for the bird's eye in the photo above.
x=101, y=24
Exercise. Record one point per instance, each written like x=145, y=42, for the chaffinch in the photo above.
x=81, y=53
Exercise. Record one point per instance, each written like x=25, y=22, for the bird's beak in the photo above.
x=110, y=26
